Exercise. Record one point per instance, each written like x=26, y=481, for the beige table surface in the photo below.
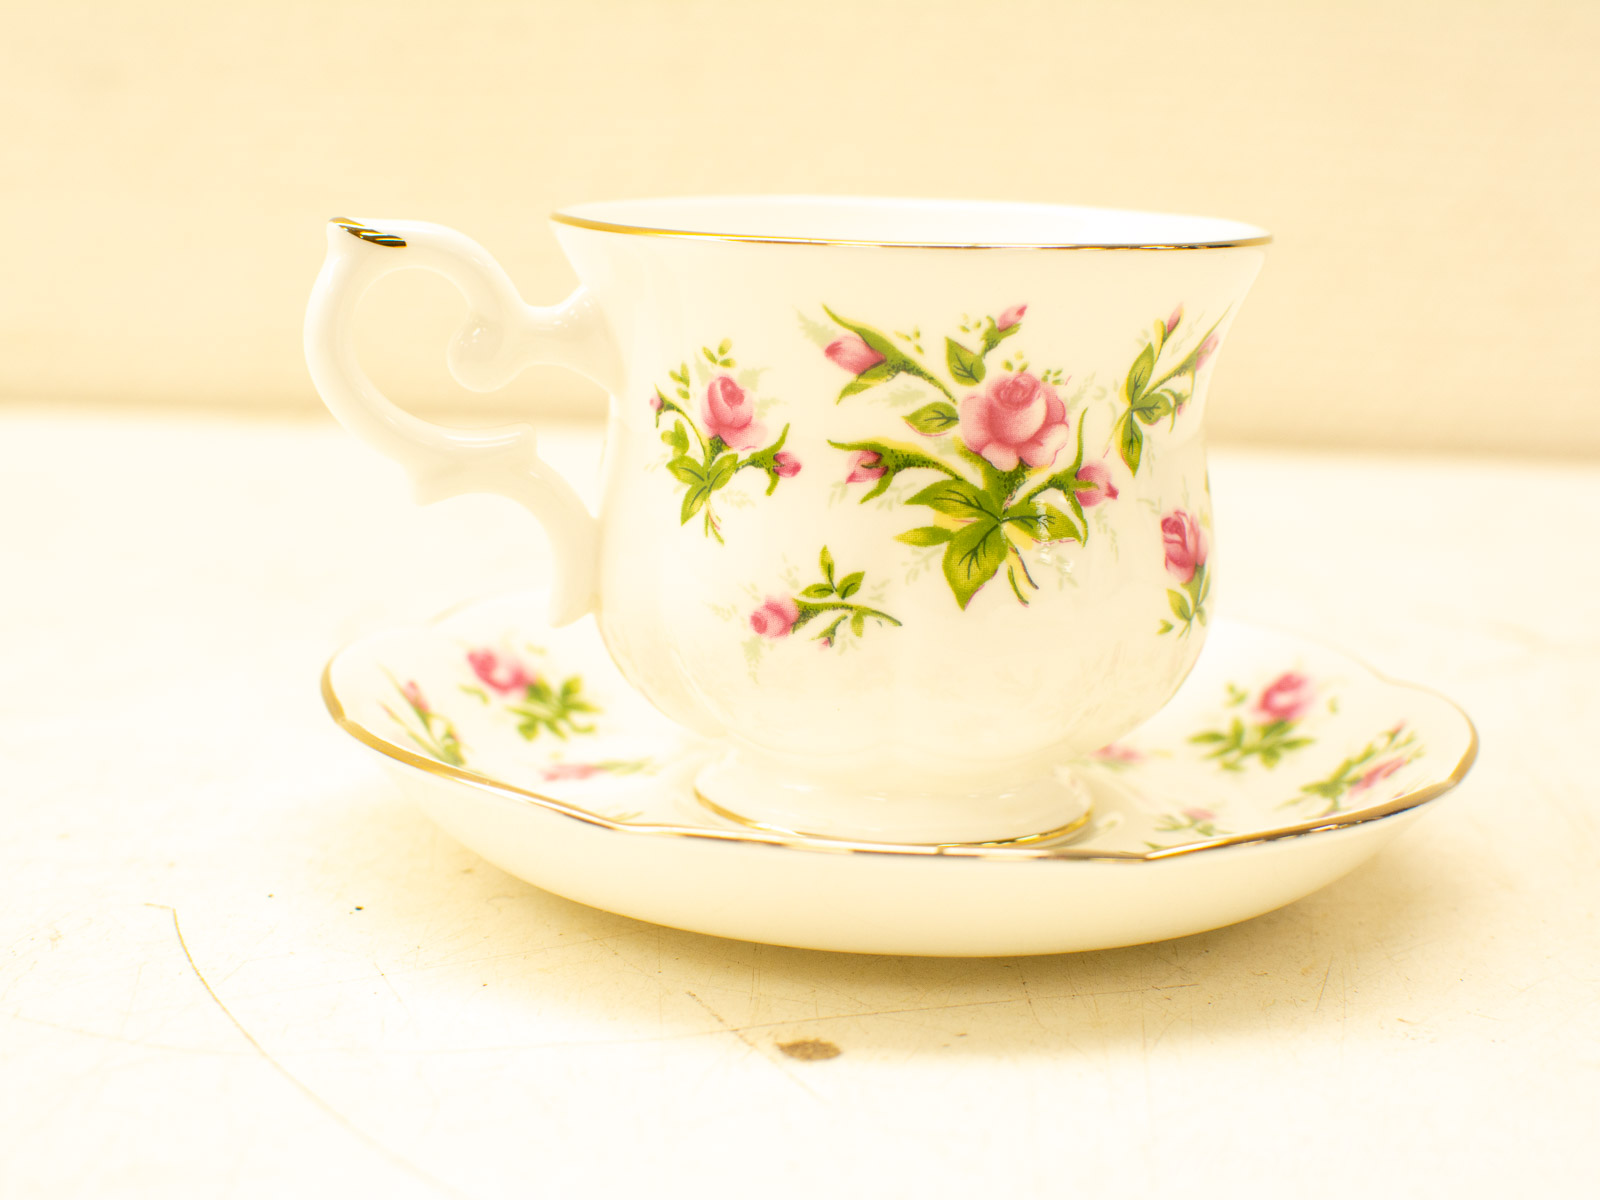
x=233, y=963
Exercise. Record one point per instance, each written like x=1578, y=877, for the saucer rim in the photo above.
x=511, y=792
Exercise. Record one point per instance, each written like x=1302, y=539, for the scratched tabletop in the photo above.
x=236, y=963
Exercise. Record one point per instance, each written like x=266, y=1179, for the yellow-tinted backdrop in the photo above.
x=1431, y=171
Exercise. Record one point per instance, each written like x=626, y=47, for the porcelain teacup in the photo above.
x=905, y=501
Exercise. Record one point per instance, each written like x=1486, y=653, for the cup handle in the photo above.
x=502, y=335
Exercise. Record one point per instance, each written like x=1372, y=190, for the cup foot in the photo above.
x=1049, y=807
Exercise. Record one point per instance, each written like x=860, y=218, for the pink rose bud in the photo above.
x=1011, y=316
x=785, y=464
x=503, y=674
x=569, y=771
x=1199, y=814
x=1015, y=418
x=1287, y=698
x=1103, y=490
x=656, y=401
x=729, y=415
x=776, y=617
x=1118, y=753
x=825, y=643
x=864, y=466
x=853, y=354
x=413, y=693
x=1185, y=545
x=1172, y=321
x=1207, y=349
x=1377, y=774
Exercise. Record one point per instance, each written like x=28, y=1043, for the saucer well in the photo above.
x=1280, y=765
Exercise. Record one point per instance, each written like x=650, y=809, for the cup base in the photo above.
x=1049, y=807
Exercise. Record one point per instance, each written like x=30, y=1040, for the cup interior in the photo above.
x=908, y=222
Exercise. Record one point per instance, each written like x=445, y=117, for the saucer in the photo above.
x=1279, y=766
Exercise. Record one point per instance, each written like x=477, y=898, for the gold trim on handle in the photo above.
x=368, y=234
x=1399, y=804
x=562, y=218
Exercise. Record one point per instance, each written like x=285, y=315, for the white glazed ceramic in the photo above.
x=1279, y=766
x=905, y=500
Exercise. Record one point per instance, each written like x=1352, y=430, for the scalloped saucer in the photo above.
x=1279, y=766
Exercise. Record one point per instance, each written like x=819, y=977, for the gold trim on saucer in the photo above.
x=1011, y=851
x=561, y=218
x=1026, y=839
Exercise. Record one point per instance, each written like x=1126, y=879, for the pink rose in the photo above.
x=1015, y=417
x=1185, y=544
x=785, y=464
x=655, y=401
x=1207, y=349
x=569, y=771
x=1287, y=698
x=413, y=693
x=1377, y=774
x=1011, y=316
x=865, y=466
x=1172, y=321
x=1103, y=489
x=504, y=675
x=729, y=415
x=776, y=617
x=853, y=354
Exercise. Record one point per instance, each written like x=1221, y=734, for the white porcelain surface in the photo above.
x=523, y=742
x=885, y=516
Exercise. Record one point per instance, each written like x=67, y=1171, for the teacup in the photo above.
x=905, y=500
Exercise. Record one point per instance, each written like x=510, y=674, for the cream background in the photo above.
x=1428, y=169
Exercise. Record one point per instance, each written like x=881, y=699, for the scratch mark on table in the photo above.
x=338, y=1117
x=1324, y=986
x=739, y=1032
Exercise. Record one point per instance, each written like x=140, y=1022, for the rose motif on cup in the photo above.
x=996, y=441
x=1160, y=383
x=1183, y=544
x=705, y=455
x=828, y=602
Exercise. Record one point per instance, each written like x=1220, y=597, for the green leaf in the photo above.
x=1139, y=373
x=723, y=349
x=1212, y=736
x=972, y=558
x=678, y=439
x=817, y=591
x=693, y=500
x=872, y=375
x=687, y=470
x=851, y=584
x=858, y=623
x=1150, y=409
x=826, y=561
x=934, y=419
x=1179, y=603
x=722, y=470
x=1166, y=627
x=1131, y=443
x=965, y=366
x=1044, y=522
x=957, y=498
x=926, y=535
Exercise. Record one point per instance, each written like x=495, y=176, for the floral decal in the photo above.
x=1184, y=544
x=1196, y=822
x=1269, y=729
x=1148, y=397
x=1003, y=491
x=780, y=616
x=539, y=704
x=1382, y=757
x=431, y=732
x=727, y=439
